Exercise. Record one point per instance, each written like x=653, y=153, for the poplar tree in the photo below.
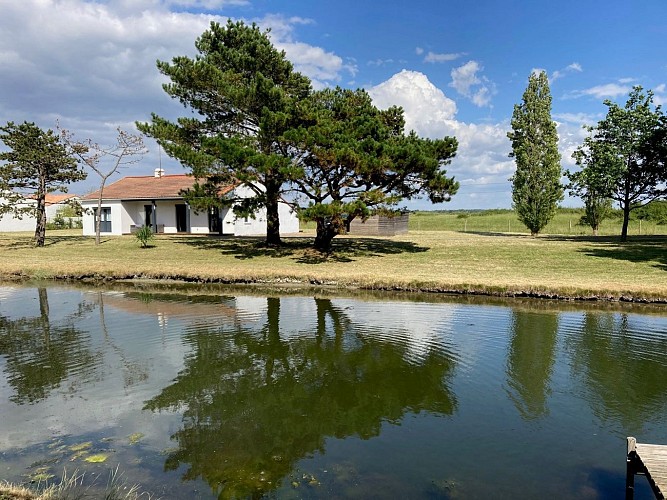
x=37, y=163
x=536, y=186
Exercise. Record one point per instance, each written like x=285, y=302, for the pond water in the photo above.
x=224, y=393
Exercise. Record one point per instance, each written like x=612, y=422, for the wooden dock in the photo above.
x=649, y=460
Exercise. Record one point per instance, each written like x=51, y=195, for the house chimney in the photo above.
x=159, y=172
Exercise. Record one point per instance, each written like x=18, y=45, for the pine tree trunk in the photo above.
x=272, y=216
x=326, y=231
x=40, y=228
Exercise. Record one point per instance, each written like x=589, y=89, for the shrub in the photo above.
x=144, y=234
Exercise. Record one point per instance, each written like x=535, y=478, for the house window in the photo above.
x=105, y=220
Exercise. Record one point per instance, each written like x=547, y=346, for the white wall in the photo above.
x=289, y=222
x=10, y=223
x=132, y=213
x=118, y=216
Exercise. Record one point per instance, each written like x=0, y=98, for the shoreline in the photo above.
x=293, y=283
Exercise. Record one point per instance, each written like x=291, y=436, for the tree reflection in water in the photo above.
x=623, y=371
x=41, y=355
x=530, y=361
x=254, y=403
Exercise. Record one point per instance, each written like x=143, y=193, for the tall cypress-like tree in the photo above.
x=536, y=186
x=242, y=91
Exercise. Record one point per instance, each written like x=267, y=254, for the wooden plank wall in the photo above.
x=381, y=225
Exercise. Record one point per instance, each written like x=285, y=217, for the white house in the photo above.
x=54, y=202
x=156, y=201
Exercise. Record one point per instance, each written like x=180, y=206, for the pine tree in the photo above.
x=241, y=90
x=37, y=163
x=536, y=186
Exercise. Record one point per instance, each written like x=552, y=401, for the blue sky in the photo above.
x=457, y=67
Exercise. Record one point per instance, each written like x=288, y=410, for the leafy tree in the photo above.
x=623, y=158
x=356, y=159
x=37, y=164
x=591, y=188
x=242, y=90
x=656, y=211
x=129, y=149
x=536, y=187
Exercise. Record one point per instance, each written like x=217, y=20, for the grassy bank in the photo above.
x=445, y=261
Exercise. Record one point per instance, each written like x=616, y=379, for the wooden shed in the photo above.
x=381, y=225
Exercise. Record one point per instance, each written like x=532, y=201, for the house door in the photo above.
x=148, y=210
x=214, y=222
x=181, y=219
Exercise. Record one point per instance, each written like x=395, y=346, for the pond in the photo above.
x=224, y=392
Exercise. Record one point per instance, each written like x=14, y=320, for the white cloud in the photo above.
x=419, y=51
x=570, y=68
x=426, y=107
x=91, y=65
x=466, y=81
x=205, y=4
x=608, y=90
x=433, y=57
x=482, y=156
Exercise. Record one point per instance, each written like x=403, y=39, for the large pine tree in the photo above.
x=242, y=91
x=536, y=186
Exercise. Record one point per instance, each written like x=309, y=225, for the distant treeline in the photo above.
x=655, y=212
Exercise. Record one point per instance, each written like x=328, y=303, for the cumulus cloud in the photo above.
x=482, y=157
x=205, y=4
x=466, y=80
x=426, y=107
x=91, y=65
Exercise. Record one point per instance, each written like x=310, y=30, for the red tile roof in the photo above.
x=149, y=188
x=52, y=199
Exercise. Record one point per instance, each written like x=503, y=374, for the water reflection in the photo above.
x=254, y=403
x=530, y=360
x=621, y=361
x=40, y=355
x=240, y=394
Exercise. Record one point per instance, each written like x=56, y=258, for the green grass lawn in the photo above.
x=427, y=260
x=505, y=221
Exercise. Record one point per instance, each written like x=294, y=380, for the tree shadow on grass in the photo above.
x=29, y=242
x=301, y=249
x=636, y=249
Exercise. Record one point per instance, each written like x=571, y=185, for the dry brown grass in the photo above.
x=421, y=260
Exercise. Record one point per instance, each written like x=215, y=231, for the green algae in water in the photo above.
x=135, y=438
x=97, y=458
x=81, y=446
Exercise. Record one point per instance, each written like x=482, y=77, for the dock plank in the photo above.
x=650, y=460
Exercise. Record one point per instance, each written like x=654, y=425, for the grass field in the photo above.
x=505, y=221
x=426, y=259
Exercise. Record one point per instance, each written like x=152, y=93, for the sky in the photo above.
x=456, y=67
